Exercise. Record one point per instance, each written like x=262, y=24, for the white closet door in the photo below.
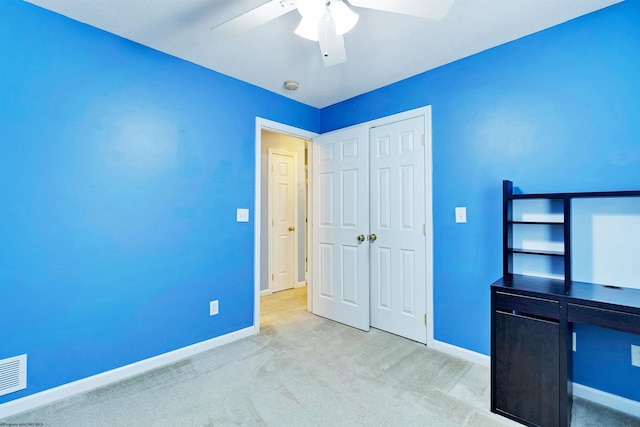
x=398, y=217
x=341, y=214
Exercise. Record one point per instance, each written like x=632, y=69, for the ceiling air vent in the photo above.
x=13, y=374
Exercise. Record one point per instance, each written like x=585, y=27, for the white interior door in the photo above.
x=341, y=214
x=398, y=220
x=374, y=179
x=282, y=212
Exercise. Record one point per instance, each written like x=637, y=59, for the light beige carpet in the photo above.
x=302, y=370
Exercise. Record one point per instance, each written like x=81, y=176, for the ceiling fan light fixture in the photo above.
x=308, y=29
x=343, y=17
x=313, y=9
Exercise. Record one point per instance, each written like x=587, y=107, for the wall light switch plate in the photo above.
x=635, y=355
x=461, y=214
x=242, y=215
x=213, y=308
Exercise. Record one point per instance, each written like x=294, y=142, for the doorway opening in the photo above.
x=283, y=203
x=280, y=213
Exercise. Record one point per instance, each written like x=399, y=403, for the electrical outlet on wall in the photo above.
x=242, y=215
x=635, y=355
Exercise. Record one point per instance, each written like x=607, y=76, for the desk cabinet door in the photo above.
x=527, y=368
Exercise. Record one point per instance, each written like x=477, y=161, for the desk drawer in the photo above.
x=526, y=305
x=612, y=319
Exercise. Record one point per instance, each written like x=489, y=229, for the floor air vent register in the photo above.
x=13, y=374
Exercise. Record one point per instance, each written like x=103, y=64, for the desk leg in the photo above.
x=566, y=368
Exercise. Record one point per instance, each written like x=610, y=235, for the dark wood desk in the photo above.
x=531, y=341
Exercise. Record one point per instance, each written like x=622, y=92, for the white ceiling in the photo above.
x=383, y=48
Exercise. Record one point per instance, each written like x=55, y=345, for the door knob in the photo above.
x=373, y=237
x=361, y=238
x=292, y=228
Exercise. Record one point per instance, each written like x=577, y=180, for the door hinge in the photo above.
x=424, y=140
x=424, y=229
x=425, y=319
x=273, y=277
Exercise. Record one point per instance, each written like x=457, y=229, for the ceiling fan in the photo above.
x=326, y=21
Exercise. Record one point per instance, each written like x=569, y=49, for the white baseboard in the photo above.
x=462, y=353
x=86, y=384
x=603, y=398
x=265, y=292
x=600, y=397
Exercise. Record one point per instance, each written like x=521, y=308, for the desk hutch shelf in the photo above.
x=532, y=317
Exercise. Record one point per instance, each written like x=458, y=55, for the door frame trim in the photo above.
x=265, y=124
x=294, y=267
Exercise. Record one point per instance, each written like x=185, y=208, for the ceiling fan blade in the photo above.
x=254, y=18
x=431, y=9
x=331, y=44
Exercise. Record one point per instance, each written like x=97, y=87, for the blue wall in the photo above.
x=121, y=169
x=556, y=111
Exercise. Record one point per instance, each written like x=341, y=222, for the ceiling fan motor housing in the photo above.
x=326, y=21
